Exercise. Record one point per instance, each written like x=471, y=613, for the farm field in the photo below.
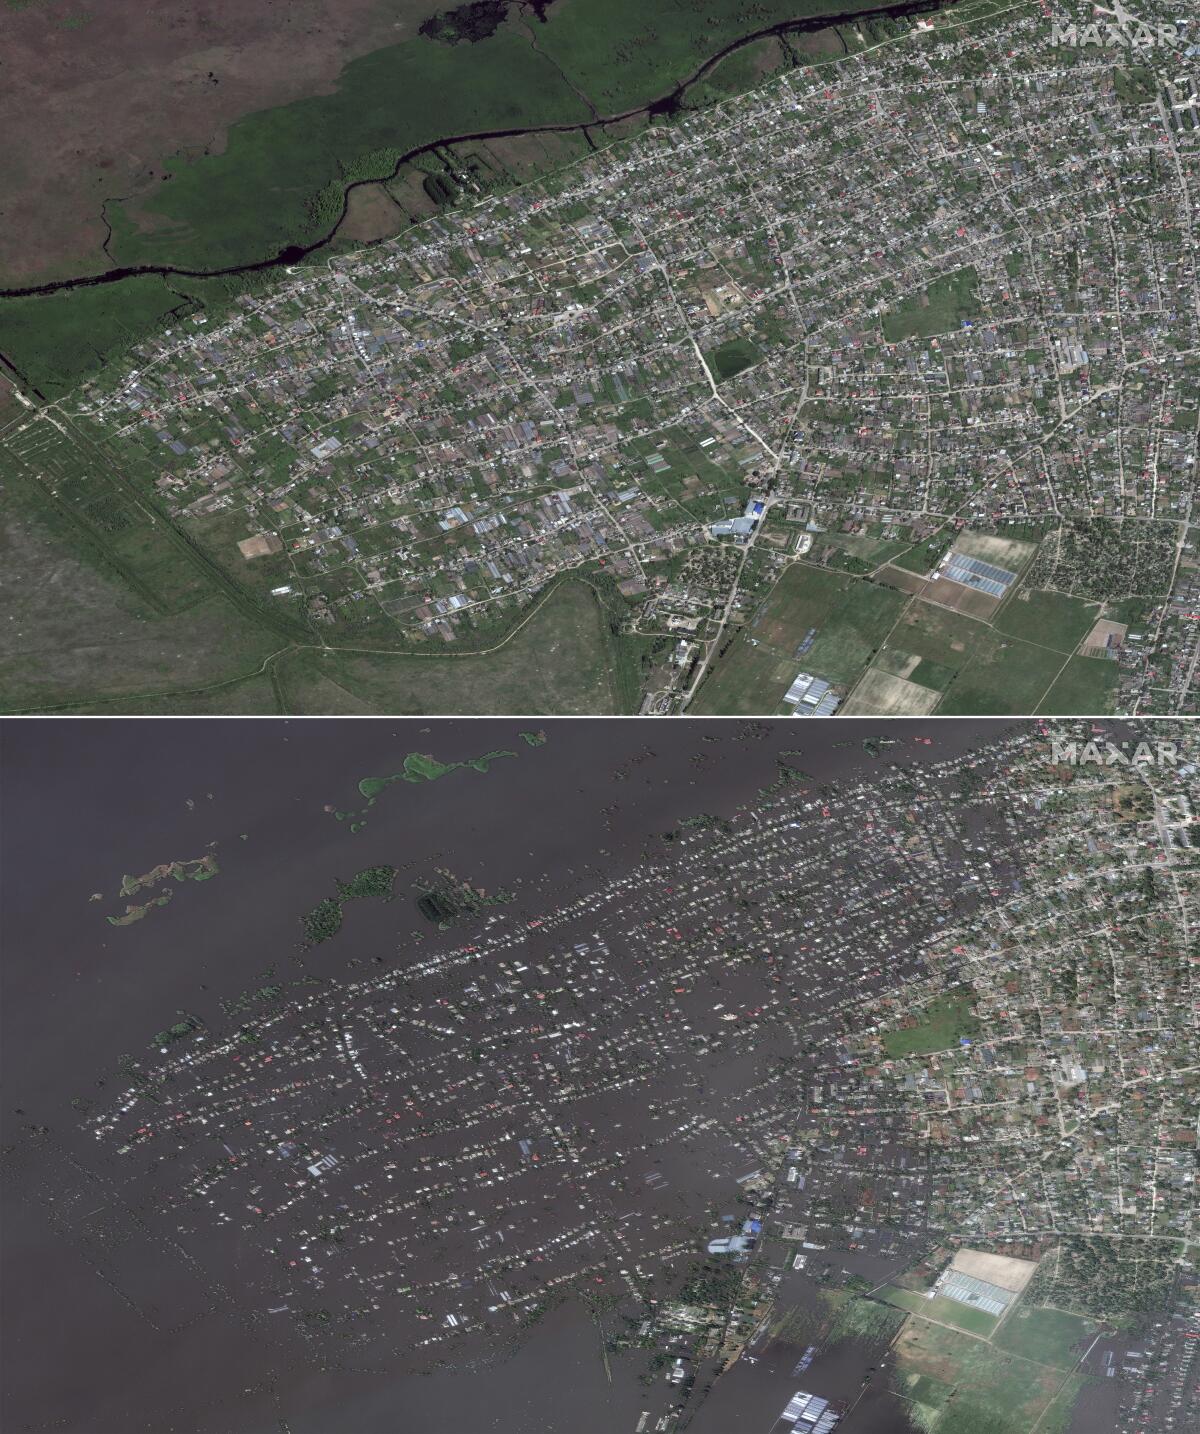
x=1050, y=1336
x=971, y=1387
x=1085, y=685
x=944, y=1311
x=852, y=617
x=1050, y=619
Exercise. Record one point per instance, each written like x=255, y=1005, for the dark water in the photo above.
x=85, y=803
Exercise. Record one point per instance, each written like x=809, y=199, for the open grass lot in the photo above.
x=935, y=310
x=936, y=634
x=1046, y=1335
x=924, y=557
x=1051, y=619
x=253, y=697
x=978, y=1388
x=975, y=667
x=77, y=629
x=1002, y=675
x=562, y=662
x=1086, y=686
x=946, y=1018
x=851, y=616
x=943, y=1310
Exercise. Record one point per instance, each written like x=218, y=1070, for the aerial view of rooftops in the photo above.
x=786, y=358
x=396, y=1077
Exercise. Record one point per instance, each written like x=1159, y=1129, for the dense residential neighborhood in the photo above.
x=787, y=360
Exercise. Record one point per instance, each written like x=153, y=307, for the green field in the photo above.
x=968, y=1386
x=1002, y=675
x=732, y=357
x=79, y=632
x=943, y=1021
x=1046, y=1335
x=1051, y=619
x=943, y=1310
x=852, y=617
x=1013, y=665
x=936, y=310
x=562, y=662
x=1086, y=687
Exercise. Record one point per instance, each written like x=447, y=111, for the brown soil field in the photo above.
x=961, y=598
x=94, y=97
x=904, y=580
x=945, y=592
x=1006, y=1271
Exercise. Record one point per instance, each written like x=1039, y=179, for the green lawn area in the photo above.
x=935, y=310
x=994, y=1391
x=1052, y=619
x=1086, y=686
x=937, y=634
x=562, y=662
x=851, y=616
x=1003, y=675
x=1045, y=1335
x=939, y=1308
x=942, y=1021
x=732, y=357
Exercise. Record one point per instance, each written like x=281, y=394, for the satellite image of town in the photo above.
x=406, y=406
x=377, y=1078
x=750, y=358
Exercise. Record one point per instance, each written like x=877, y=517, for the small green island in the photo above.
x=421, y=767
x=325, y=919
x=200, y=868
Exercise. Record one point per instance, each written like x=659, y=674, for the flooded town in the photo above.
x=775, y=1082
